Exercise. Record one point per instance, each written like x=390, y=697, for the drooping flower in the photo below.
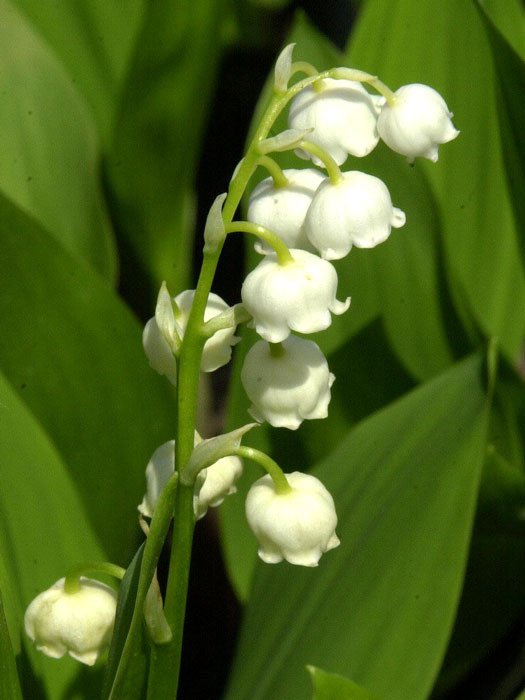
x=212, y=486
x=298, y=525
x=288, y=384
x=357, y=210
x=416, y=123
x=164, y=332
x=79, y=623
x=282, y=209
x=343, y=116
x=297, y=296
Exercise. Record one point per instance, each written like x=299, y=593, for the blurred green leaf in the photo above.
x=94, y=41
x=379, y=608
x=156, y=139
x=330, y=686
x=406, y=41
x=509, y=66
x=49, y=151
x=73, y=353
x=9, y=684
x=135, y=680
x=521, y=696
x=44, y=530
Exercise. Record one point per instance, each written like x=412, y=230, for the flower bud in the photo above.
x=288, y=387
x=416, y=123
x=282, y=209
x=79, y=623
x=297, y=296
x=211, y=487
x=355, y=211
x=298, y=525
x=343, y=116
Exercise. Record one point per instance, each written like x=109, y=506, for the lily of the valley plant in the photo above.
x=302, y=219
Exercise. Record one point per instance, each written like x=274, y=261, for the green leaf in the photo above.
x=509, y=66
x=157, y=132
x=49, y=147
x=73, y=353
x=44, y=530
x=521, y=696
x=94, y=41
x=379, y=609
x=330, y=686
x=406, y=41
x=9, y=684
x=135, y=680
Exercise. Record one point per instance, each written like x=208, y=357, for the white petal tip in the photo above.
x=398, y=218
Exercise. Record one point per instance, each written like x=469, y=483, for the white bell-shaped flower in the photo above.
x=164, y=332
x=217, y=349
x=212, y=486
x=79, y=623
x=287, y=384
x=297, y=296
x=282, y=209
x=298, y=526
x=354, y=211
x=343, y=116
x=416, y=123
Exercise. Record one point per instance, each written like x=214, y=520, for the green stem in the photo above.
x=165, y=660
x=230, y=318
x=303, y=67
x=278, y=177
x=72, y=579
x=284, y=257
x=362, y=77
x=277, y=349
x=333, y=170
x=269, y=465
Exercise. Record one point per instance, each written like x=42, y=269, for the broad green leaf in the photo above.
x=94, y=41
x=406, y=41
x=408, y=271
x=330, y=686
x=367, y=377
x=151, y=165
x=493, y=597
x=73, y=353
x=44, y=530
x=521, y=696
x=509, y=66
x=134, y=687
x=379, y=609
x=49, y=151
x=9, y=684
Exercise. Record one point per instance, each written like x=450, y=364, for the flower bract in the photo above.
x=297, y=296
x=343, y=116
x=298, y=526
x=357, y=210
x=288, y=386
x=79, y=623
x=416, y=123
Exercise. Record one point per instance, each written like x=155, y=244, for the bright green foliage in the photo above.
x=380, y=607
x=9, y=685
x=330, y=686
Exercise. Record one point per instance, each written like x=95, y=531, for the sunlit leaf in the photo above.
x=406, y=41
x=73, y=353
x=49, y=148
x=330, y=686
x=379, y=609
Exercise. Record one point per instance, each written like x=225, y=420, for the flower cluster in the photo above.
x=304, y=219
